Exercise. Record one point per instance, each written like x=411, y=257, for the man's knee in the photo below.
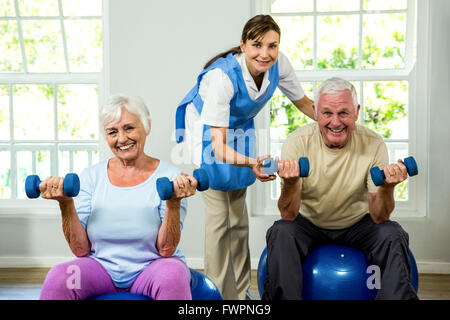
x=280, y=229
x=392, y=232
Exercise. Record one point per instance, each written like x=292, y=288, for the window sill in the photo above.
x=29, y=209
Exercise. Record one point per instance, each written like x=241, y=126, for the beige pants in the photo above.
x=227, y=254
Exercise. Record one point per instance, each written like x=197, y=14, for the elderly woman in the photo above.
x=124, y=236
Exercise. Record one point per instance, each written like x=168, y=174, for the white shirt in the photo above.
x=216, y=91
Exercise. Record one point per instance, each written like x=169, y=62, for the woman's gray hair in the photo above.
x=333, y=86
x=112, y=110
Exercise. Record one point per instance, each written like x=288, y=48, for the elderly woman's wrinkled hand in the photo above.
x=53, y=188
x=184, y=186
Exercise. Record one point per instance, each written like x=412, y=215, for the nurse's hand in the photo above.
x=258, y=170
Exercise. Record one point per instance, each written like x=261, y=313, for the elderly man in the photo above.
x=338, y=202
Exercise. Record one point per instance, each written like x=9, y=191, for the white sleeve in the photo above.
x=216, y=91
x=288, y=82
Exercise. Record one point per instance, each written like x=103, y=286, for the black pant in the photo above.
x=384, y=244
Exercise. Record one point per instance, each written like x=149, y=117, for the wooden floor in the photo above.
x=14, y=283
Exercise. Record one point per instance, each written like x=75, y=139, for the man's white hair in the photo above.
x=112, y=110
x=332, y=86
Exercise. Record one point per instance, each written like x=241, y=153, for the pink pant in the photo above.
x=163, y=279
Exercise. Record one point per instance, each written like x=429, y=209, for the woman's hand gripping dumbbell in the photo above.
x=287, y=167
x=183, y=186
x=394, y=173
x=56, y=188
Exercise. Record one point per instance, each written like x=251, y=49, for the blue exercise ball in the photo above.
x=121, y=296
x=202, y=288
x=334, y=272
x=414, y=272
x=262, y=271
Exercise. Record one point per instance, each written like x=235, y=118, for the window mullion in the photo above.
x=55, y=163
x=360, y=34
x=12, y=152
x=315, y=36
x=63, y=34
x=22, y=42
x=409, y=34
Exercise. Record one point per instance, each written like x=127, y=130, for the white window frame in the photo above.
x=19, y=208
x=416, y=73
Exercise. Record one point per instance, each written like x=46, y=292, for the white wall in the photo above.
x=156, y=49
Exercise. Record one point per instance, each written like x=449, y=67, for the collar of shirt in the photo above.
x=250, y=83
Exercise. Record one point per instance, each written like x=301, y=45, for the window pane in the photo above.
x=80, y=161
x=337, y=42
x=24, y=168
x=84, y=45
x=33, y=112
x=64, y=163
x=384, y=41
x=386, y=108
x=4, y=113
x=279, y=6
x=77, y=112
x=7, y=8
x=43, y=46
x=82, y=7
x=43, y=164
x=384, y=4
x=5, y=175
x=284, y=115
x=399, y=151
x=38, y=7
x=337, y=5
x=297, y=40
x=11, y=56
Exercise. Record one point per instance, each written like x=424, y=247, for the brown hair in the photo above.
x=255, y=28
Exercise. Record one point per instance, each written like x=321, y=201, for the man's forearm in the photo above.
x=289, y=201
x=382, y=204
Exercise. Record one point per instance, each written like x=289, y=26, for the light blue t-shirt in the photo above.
x=122, y=223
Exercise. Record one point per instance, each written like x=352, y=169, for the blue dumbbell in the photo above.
x=165, y=187
x=378, y=176
x=71, y=185
x=271, y=166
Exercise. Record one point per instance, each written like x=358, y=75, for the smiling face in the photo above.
x=126, y=138
x=337, y=117
x=261, y=53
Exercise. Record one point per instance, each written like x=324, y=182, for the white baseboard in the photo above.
x=195, y=263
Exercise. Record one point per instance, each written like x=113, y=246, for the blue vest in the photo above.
x=241, y=131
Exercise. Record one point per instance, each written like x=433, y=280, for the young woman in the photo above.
x=216, y=120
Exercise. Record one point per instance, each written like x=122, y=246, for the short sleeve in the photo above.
x=288, y=81
x=216, y=91
x=381, y=160
x=83, y=202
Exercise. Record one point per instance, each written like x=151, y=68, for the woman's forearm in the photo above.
x=170, y=231
x=74, y=231
x=225, y=153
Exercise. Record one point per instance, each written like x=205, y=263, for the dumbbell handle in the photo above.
x=378, y=175
x=165, y=187
x=271, y=166
x=71, y=185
